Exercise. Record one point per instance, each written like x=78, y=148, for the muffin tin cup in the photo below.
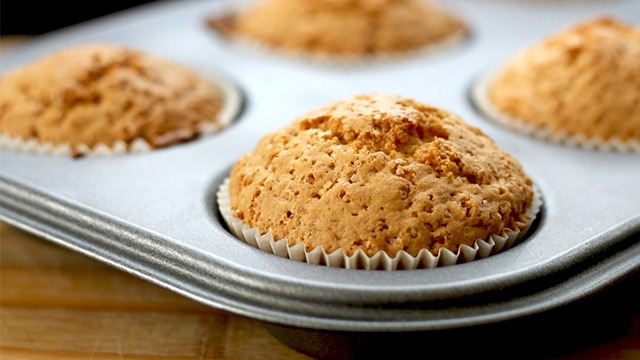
x=232, y=102
x=480, y=98
x=481, y=248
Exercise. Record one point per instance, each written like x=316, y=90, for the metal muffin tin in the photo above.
x=154, y=214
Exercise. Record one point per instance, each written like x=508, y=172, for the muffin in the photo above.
x=342, y=29
x=103, y=96
x=580, y=86
x=379, y=175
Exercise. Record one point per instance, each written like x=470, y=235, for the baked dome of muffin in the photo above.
x=583, y=81
x=380, y=173
x=344, y=28
x=104, y=94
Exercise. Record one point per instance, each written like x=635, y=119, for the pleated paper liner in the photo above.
x=232, y=100
x=380, y=261
x=222, y=27
x=480, y=98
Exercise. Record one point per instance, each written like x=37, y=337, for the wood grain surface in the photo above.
x=58, y=304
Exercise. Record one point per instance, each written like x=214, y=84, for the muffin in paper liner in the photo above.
x=86, y=79
x=380, y=172
x=482, y=248
x=575, y=88
x=480, y=98
x=321, y=48
x=231, y=105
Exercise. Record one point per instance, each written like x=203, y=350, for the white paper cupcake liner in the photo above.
x=231, y=106
x=33, y=145
x=480, y=97
x=482, y=248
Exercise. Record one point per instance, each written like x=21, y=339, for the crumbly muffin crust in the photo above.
x=380, y=172
x=582, y=81
x=344, y=28
x=99, y=93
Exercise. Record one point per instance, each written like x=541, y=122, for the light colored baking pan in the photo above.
x=154, y=214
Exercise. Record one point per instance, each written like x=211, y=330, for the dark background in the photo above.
x=23, y=17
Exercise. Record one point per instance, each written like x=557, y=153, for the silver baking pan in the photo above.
x=154, y=214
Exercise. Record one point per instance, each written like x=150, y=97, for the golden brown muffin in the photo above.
x=584, y=81
x=344, y=28
x=98, y=93
x=380, y=173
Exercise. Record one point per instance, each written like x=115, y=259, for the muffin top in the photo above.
x=380, y=172
x=99, y=93
x=343, y=28
x=583, y=81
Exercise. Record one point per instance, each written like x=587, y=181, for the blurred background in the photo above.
x=27, y=17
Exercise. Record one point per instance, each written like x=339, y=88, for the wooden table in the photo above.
x=58, y=304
